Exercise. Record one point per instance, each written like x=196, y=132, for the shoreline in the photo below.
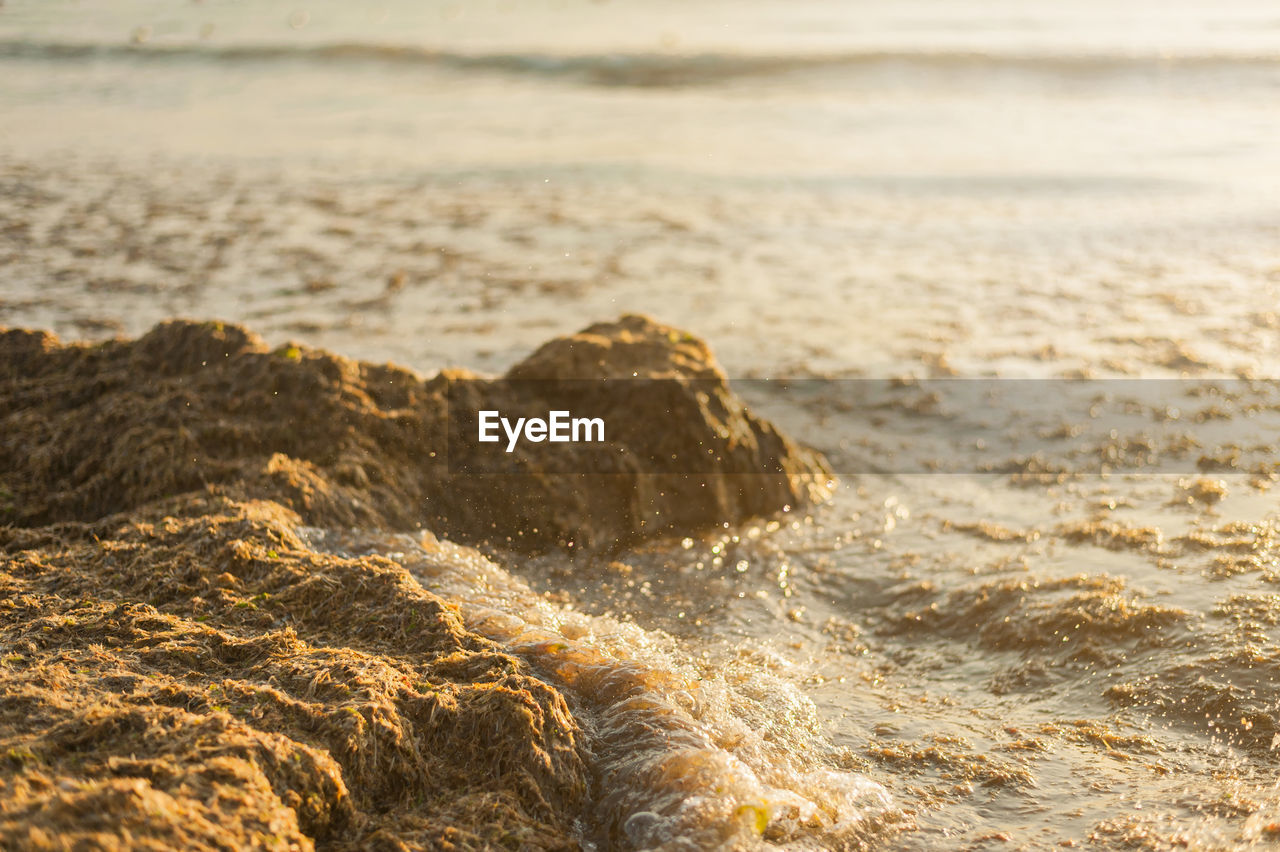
x=189, y=666
x=1009, y=270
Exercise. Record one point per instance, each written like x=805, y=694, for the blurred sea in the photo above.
x=1095, y=97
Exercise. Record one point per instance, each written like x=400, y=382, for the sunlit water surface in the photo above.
x=842, y=189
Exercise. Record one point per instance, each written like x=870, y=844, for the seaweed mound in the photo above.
x=178, y=669
x=178, y=679
x=88, y=431
x=684, y=452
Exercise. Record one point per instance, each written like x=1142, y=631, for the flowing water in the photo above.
x=1049, y=649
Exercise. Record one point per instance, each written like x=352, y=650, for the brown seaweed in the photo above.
x=180, y=670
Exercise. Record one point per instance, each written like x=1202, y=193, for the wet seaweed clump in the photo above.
x=1225, y=684
x=1056, y=624
x=180, y=669
x=94, y=430
x=192, y=676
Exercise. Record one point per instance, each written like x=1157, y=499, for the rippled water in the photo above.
x=915, y=191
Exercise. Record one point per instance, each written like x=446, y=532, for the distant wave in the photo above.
x=641, y=69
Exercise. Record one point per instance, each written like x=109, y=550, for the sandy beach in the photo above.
x=971, y=306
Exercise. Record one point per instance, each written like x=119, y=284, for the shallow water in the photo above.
x=1048, y=654
x=971, y=664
